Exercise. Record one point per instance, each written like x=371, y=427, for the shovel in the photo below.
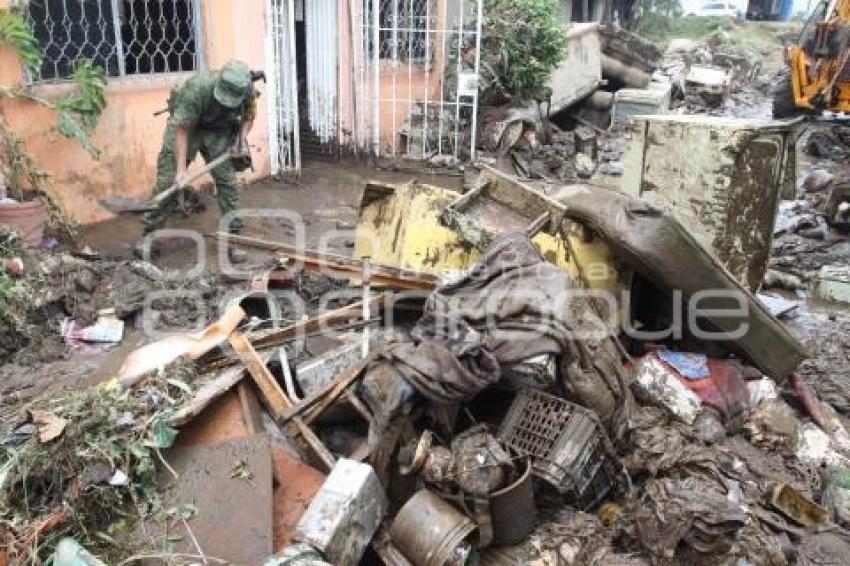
x=119, y=205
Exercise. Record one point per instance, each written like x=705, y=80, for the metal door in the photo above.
x=282, y=90
x=416, y=66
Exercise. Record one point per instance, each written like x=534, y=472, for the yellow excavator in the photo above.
x=818, y=76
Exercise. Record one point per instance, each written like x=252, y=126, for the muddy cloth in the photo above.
x=663, y=251
x=833, y=143
x=688, y=511
x=511, y=306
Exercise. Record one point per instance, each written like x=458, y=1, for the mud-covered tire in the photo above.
x=784, y=105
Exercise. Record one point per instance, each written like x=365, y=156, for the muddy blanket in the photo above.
x=511, y=306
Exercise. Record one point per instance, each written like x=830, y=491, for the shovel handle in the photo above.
x=191, y=176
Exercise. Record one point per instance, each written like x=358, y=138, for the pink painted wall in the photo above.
x=406, y=88
x=127, y=134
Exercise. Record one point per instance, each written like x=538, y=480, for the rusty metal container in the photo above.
x=512, y=510
x=428, y=530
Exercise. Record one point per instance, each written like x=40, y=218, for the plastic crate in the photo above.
x=565, y=443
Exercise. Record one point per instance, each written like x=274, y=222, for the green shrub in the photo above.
x=530, y=41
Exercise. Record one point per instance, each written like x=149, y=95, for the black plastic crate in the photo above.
x=565, y=443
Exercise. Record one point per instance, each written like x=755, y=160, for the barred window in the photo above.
x=125, y=37
x=402, y=28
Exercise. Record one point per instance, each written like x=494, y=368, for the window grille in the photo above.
x=403, y=25
x=125, y=37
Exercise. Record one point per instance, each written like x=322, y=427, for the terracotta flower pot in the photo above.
x=28, y=218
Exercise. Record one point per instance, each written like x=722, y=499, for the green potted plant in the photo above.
x=27, y=203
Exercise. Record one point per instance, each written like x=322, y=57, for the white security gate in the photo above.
x=416, y=68
x=282, y=89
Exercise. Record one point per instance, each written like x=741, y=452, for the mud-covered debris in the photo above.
x=831, y=143
x=657, y=383
x=51, y=490
x=797, y=506
x=344, y=514
x=689, y=511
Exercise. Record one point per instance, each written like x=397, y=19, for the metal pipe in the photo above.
x=367, y=300
x=376, y=75
x=293, y=89
x=477, y=69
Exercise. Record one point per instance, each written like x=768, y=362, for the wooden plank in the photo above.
x=209, y=392
x=272, y=392
x=346, y=378
x=382, y=275
x=275, y=398
x=342, y=384
x=317, y=323
x=251, y=411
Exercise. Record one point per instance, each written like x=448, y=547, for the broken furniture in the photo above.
x=720, y=177
x=611, y=236
x=435, y=230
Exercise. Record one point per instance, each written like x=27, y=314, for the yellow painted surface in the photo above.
x=403, y=229
x=127, y=134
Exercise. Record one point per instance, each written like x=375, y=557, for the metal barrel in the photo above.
x=427, y=529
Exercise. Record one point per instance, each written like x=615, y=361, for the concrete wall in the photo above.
x=128, y=135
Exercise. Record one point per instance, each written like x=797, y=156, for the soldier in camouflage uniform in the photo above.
x=208, y=114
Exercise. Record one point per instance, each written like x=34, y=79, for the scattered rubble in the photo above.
x=517, y=376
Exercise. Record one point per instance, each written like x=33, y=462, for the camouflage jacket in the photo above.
x=193, y=105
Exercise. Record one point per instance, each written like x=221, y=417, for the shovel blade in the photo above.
x=120, y=205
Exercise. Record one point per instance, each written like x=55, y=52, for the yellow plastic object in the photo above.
x=399, y=225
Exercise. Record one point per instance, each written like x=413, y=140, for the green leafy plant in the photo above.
x=77, y=115
x=78, y=111
x=97, y=478
x=22, y=176
x=11, y=290
x=530, y=41
x=14, y=32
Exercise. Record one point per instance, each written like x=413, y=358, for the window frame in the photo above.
x=154, y=78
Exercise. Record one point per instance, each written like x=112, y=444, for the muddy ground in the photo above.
x=325, y=199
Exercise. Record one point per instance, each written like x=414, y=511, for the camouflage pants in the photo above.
x=210, y=144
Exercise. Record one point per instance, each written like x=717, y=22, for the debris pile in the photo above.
x=578, y=134
x=810, y=244
x=499, y=404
